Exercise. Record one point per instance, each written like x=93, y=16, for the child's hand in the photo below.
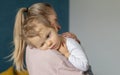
x=70, y=35
x=63, y=50
x=67, y=55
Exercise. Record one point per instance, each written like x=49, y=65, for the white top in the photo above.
x=77, y=56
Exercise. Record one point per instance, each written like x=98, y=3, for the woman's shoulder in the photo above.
x=35, y=54
x=49, y=60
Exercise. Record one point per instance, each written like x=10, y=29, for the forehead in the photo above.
x=39, y=27
x=42, y=30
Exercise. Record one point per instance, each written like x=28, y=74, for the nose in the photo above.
x=49, y=43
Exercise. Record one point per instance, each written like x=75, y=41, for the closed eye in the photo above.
x=42, y=44
x=48, y=35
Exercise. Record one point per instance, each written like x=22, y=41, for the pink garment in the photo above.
x=49, y=62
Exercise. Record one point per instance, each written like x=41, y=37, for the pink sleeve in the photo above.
x=48, y=62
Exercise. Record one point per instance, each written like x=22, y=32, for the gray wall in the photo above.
x=97, y=25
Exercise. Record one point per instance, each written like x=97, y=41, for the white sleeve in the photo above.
x=77, y=56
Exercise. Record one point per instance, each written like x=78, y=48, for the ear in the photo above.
x=57, y=27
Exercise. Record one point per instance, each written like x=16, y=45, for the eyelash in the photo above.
x=47, y=38
x=48, y=35
x=42, y=44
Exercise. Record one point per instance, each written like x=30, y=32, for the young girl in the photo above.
x=38, y=33
x=23, y=14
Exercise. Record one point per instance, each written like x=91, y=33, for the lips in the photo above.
x=53, y=47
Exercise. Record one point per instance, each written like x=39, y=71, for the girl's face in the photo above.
x=47, y=39
x=54, y=21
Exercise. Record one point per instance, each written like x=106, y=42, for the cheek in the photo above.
x=56, y=39
x=44, y=48
x=34, y=42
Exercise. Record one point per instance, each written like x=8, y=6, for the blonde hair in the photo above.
x=30, y=25
x=40, y=9
x=19, y=42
